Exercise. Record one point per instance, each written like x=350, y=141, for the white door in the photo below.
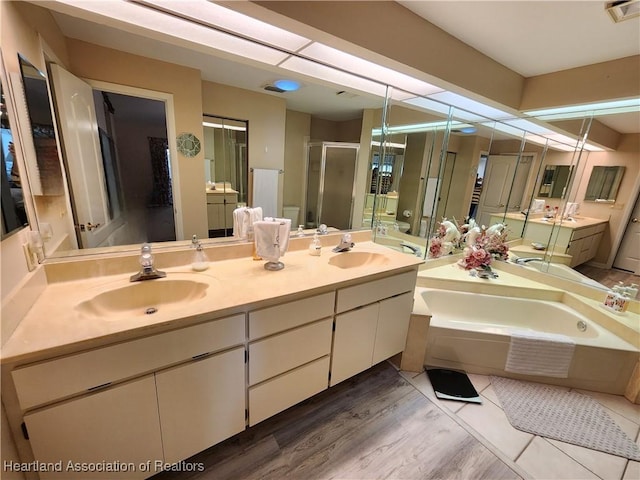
x=497, y=186
x=83, y=157
x=628, y=257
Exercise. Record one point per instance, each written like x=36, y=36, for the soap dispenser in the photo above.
x=315, y=247
x=200, y=261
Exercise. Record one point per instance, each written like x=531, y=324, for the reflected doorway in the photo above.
x=137, y=166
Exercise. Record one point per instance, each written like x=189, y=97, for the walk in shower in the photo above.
x=331, y=174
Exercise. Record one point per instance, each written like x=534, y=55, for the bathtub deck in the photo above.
x=376, y=425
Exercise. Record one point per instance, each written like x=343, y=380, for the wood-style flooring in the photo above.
x=608, y=277
x=375, y=425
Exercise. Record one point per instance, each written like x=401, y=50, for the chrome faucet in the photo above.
x=345, y=244
x=522, y=261
x=416, y=250
x=148, y=270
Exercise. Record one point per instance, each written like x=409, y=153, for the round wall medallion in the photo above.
x=188, y=144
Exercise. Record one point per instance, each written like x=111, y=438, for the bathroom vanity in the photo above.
x=220, y=207
x=579, y=238
x=124, y=387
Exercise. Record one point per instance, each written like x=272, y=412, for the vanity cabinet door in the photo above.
x=353, y=342
x=114, y=426
x=201, y=403
x=393, y=324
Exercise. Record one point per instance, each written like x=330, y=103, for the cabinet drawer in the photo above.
x=588, y=231
x=290, y=315
x=358, y=295
x=47, y=381
x=286, y=390
x=275, y=355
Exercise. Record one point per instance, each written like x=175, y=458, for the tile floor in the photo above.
x=538, y=457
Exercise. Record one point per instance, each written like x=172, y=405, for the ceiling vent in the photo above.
x=273, y=88
x=623, y=10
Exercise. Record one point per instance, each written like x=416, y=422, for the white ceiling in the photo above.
x=535, y=37
x=529, y=37
x=539, y=36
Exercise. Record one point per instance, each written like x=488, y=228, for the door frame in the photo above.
x=167, y=98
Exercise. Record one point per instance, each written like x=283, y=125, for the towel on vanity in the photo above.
x=539, y=353
x=272, y=238
x=285, y=232
x=243, y=219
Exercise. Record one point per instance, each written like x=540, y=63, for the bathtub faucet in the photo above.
x=416, y=250
x=523, y=261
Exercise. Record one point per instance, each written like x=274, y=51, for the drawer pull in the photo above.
x=91, y=389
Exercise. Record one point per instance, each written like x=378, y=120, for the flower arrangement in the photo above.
x=446, y=238
x=489, y=245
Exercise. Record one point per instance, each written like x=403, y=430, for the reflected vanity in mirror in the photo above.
x=604, y=183
x=555, y=180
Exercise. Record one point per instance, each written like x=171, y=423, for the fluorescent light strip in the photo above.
x=230, y=20
x=469, y=105
x=529, y=126
x=576, y=111
x=162, y=23
x=389, y=144
x=337, y=77
x=219, y=125
x=348, y=62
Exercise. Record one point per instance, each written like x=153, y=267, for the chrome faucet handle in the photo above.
x=148, y=271
x=345, y=244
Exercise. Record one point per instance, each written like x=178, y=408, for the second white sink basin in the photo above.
x=143, y=298
x=358, y=259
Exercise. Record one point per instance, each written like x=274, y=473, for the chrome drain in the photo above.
x=582, y=325
x=150, y=311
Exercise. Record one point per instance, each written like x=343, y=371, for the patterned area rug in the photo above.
x=568, y=416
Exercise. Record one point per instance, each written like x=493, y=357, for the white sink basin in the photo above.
x=143, y=298
x=358, y=259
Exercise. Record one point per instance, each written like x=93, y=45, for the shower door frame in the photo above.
x=323, y=164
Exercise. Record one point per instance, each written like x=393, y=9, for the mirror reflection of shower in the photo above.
x=331, y=175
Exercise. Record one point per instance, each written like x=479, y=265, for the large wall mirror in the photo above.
x=554, y=182
x=411, y=164
x=14, y=215
x=604, y=183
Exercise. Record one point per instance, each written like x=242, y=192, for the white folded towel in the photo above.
x=539, y=353
x=285, y=232
x=240, y=224
x=272, y=238
x=243, y=219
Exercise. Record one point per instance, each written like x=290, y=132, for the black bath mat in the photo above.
x=452, y=385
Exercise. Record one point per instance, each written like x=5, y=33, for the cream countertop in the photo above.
x=577, y=222
x=53, y=326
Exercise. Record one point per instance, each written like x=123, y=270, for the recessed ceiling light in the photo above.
x=287, y=85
